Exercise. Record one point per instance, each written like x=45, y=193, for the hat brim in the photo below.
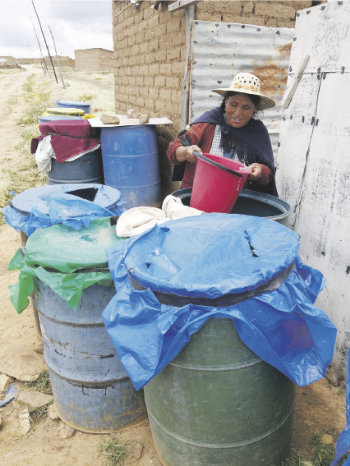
x=265, y=101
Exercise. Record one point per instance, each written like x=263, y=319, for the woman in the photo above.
x=231, y=131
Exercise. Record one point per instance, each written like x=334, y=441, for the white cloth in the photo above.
x=43, y=155
x=45, y=152
x=139, y=219
x=174, y=208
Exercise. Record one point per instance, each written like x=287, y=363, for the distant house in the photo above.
x=93, y=59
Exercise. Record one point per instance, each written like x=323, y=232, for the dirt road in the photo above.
x=320, y=407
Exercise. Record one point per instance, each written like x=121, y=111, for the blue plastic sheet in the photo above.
x=9, y=394
x=210, y=256
x=343, y=442
x=50, y=205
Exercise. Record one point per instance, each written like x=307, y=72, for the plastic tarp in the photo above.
x=50, y=205
x=66, y=260
x=211, y=256
x=343, y=442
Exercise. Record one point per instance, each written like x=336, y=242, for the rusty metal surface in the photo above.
x=220, y=50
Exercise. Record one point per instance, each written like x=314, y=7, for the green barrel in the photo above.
x=217, y=403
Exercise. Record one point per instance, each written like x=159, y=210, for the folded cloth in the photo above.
x=68, y=138
x=174, y=208
x=139, y=219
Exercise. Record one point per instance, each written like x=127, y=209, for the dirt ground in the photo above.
x=320, y=407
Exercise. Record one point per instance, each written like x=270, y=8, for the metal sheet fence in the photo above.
x=220, y=50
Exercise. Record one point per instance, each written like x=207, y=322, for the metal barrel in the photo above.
x=130, y=163
x=44, y=118
x=217, y=403
x=91, y=389
x=251, y=203
x=85, y=169
x=72, y=104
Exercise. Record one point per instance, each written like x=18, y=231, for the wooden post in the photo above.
x=58, y=61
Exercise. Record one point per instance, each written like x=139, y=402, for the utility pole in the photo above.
x=58, y=61
x=47, y=47
x=41, y=53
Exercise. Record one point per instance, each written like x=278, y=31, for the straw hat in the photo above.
x=247, y=83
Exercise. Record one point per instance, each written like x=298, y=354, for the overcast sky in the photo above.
x=75, y=24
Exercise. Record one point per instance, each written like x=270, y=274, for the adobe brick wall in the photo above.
x=150, y=52
x=149, y=59
x=64, y=61
x=93, y=60
x=260, y=13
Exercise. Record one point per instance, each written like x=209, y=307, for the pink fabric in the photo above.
x=68, y=138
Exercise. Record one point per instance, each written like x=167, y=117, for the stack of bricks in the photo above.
x=150, y=47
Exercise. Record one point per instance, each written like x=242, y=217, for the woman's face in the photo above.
x=239, y=110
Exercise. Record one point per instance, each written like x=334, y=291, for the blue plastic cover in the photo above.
x=48, y=205
x=343, y=442
x=210, y=256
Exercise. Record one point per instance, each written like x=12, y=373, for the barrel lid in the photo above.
x=210, y=255
x=66, y=250
x=65, y=111
x=57, y=117
x=72, y=103
x=39, y=197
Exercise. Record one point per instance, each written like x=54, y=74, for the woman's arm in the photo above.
x=199, y=138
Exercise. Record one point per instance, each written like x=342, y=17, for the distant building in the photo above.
x=93, y=60
x=9, y=62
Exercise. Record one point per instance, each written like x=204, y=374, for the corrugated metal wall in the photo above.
x=314, y=158
x=220, y=50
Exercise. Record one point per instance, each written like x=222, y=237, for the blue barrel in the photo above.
x=69, y=104
x=85, y=169
x=108, y=197
x=91, y=389
x=44, y=118
x=251, y=203
x=130, y=163
x=37, y=198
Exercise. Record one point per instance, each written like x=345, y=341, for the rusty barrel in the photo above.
x=91, y=389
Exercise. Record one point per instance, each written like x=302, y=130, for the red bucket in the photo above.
x=217, y=183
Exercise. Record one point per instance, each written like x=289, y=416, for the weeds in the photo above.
x=113, y=452
x=292, y=461
x=42, y=384
x=342, y=388
x=322, y=456
x=85, y=97
x=324, y=453
x=37, y=98
x=25, y=175
x=38, y=413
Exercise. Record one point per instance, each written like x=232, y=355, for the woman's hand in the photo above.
x=260, y=173
x=185, y=154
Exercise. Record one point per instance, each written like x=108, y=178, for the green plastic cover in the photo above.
x=66, y=260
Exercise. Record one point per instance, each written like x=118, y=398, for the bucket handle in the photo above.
x=206, y=159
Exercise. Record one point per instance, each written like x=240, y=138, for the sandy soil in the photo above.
x=320, y=407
